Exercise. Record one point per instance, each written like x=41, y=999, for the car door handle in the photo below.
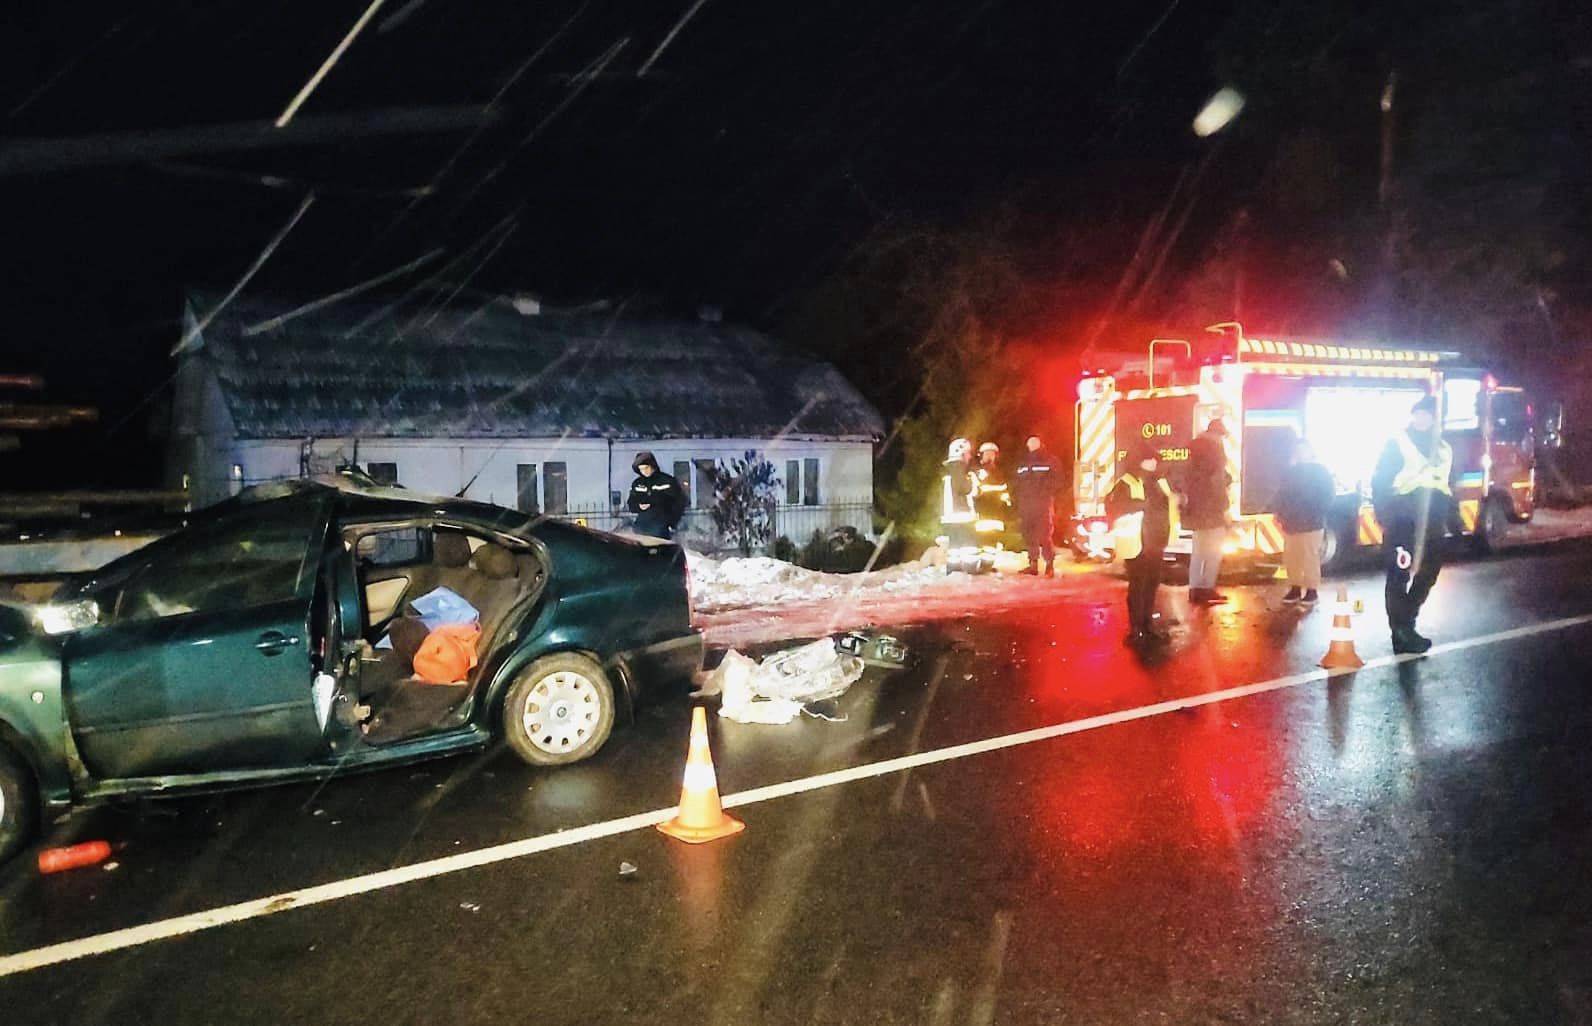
x=273, y=642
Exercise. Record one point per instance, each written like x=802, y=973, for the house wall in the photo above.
x=199, y=452
x=598, y=476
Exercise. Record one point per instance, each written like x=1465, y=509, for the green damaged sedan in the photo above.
x=278, y=637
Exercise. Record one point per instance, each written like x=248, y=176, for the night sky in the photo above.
x=762, y=145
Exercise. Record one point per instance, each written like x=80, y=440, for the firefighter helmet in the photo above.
x=960, y=448
x=989, y=447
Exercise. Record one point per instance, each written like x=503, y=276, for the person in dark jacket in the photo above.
x=1035, y=492
x=1413, y=492
x=1301, y=507
x=1141, y=489
x=1207, y=485
x=656, y=498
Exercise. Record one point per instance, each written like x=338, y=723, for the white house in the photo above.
x=540, y=411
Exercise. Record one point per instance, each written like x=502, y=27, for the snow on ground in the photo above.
x=739, y=582
x=756, y=600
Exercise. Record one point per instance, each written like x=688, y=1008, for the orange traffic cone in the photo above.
x=700, y=817
x=1340, y=653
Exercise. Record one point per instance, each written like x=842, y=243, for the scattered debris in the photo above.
x=774, y=690
x=627, y=869
x=469, y=906
x=874, y=649
x=76, y=856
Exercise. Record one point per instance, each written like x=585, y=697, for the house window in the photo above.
x=707, y=471
x=793, y=482
x=809, y=482
x=525, y=484
x=383, y=473
x=555, y=488
x=682, y=474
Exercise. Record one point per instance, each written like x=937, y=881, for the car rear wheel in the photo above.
x=19, y=804
x=559, y=710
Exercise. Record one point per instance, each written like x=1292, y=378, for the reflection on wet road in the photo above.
x=1405, y=844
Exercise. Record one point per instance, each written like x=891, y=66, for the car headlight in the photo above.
x=59, y=618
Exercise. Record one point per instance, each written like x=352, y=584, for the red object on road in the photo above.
x=56, y=860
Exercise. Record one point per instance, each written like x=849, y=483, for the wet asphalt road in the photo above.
x=1411, y=844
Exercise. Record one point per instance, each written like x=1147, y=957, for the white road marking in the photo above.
x=135, y=936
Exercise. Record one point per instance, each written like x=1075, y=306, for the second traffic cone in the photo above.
x=1340, y=652
x=700, y=817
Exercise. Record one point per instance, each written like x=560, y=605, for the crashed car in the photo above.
x=263, y=643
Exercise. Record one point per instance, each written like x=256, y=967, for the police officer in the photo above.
x=1035, y=492
x=1412, y=490
x=1142, y=490
x=656, y=498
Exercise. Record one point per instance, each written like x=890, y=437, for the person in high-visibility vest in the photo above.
x=958, y=481
x=1413, y=492
x=1142, y=497
x=992, y=499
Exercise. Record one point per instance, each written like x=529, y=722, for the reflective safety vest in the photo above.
x=955, y=509
x=1136, y=492
x=1420, y=472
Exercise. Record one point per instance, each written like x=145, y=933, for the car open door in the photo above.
x=201, y=660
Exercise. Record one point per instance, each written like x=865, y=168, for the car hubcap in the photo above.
x=562, y=712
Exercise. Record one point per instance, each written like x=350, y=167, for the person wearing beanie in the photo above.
x=656, y=498
x=1412, y=491
x=1143, y=493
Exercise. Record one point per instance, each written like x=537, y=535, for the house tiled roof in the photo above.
x=362, y=370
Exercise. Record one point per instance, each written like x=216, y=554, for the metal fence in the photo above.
x=696, y=528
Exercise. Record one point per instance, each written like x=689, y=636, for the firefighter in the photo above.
x=1412, y=490
x=1035, y=491
x=1143, y=494
x=958, y=480
x=656, y=498
x=992, y=499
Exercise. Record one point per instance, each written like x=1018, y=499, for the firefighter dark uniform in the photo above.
x=1412, y=490
x=1145, y=492
x=1035, y=492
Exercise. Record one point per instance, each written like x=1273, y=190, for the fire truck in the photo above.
x=1346, y=399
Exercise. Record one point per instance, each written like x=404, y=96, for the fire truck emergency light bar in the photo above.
x=1314, y=351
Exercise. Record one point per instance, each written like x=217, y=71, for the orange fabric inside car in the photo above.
x=448, y=654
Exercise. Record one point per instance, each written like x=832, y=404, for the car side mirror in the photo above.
x=1551, y=435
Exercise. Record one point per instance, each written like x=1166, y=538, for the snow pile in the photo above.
x=741, y=582
x=775, y=690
